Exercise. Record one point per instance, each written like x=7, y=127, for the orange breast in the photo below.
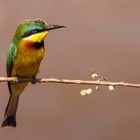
x=27, y=60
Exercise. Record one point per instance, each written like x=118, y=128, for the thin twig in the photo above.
x=67, y=81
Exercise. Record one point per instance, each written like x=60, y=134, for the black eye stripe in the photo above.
x=34, y=31
x=26, y=34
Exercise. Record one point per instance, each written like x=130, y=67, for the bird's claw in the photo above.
x=33, y=80
x=15, y=80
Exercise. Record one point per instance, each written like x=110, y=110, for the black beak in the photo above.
x=52, y=27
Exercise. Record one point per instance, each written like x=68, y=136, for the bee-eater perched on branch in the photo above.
x=23, y=60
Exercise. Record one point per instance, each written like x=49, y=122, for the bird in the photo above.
x=24, y=56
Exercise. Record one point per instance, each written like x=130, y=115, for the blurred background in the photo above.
x=100, y=34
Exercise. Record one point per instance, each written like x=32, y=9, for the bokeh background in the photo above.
x=100, y=34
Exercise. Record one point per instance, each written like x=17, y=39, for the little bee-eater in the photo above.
x=23, y=60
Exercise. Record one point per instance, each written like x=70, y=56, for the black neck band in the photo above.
x=38, y=45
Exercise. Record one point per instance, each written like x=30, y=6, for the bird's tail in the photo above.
x=10, y=112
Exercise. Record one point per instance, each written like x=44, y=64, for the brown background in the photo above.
x=100, y=34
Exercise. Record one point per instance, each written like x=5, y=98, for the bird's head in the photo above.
x=34, y=30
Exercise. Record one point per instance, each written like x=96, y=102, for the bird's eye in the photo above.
x=34, y=31
x=30, y=32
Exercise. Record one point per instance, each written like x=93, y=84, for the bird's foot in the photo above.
x=34, y=80
x=15, y=80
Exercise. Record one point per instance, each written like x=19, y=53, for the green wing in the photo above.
x=10, y=59
x=10, y=62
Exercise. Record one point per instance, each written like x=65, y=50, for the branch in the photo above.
x=67, y=81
